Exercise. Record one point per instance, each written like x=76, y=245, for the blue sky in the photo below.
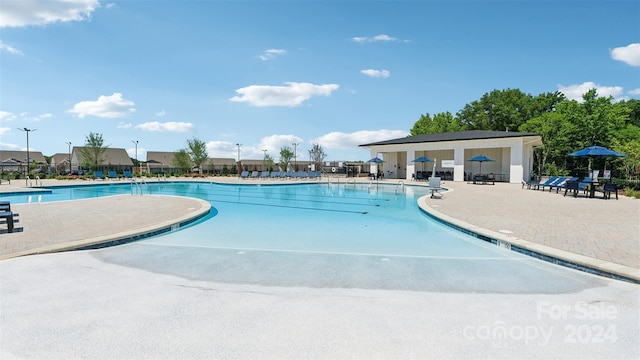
x=267, y=74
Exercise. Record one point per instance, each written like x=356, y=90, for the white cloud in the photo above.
x=124, y=125
x=113, y=106
x=37, y=12
x=272, y=53
x=7, y=116
x=351, y=141
x=634, y=91
x=9, y=49
x=291, y=95
x=376, y=73
x=272, y=144
x=43, y=117
x=7, y=146
x=171, y=126
x=161, y=113
x=4, y=130
x=377, y=38
x=575, y=92
x=629, y=54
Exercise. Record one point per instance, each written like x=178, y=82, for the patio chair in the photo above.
x=244, y=174
x=575, y=187
x=609, y=188
x=264, y=174
x=254, y=174
x=127, y=174
x=112, y=175
x=98, y=175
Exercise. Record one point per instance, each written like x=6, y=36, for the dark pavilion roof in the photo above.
x=452, y=136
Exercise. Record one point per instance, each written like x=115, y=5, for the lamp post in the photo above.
x=238, y=167
x=136, y=143
x=264, y=159
x=295, y=156
x=27, y=131
x=69, y=143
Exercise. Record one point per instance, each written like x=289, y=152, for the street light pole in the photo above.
x=69, y=143
x=264, y=160
x=27, y=131
x=137, y=162
x=295, y=156
x=238, y=166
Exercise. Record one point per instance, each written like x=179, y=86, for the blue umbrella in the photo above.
x=376, y=160
x=480, y=159
x=597, y=151
x=422, y=159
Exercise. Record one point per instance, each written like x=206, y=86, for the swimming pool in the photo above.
x=325, y=235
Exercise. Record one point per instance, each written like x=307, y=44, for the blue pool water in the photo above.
x=325, y=235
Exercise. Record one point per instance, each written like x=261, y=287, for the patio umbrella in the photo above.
x=480, y=159
x=592, y=152
x=422, y=159
x=376, y=160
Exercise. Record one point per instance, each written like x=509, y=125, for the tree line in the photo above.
x=564, y=125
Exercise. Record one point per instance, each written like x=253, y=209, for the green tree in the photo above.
x=286, y=154
x=182, y=160
x=317, y=155
x=197, y=150
x=93, y=151
x=498, y=110
x=441, y=122
x=631, y=162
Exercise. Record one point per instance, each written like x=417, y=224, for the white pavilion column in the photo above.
x=411, y=166
x=458, y=163
x=516, y=170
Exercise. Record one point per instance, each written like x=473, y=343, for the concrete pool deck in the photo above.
x=603, y=234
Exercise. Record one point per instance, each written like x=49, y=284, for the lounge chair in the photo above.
x=546, y=183
x=264, y=175
x=254, y=174
x=557, y=182
x=244, y=174
x=529, y=183
x=127, y=174
x=562, y=185
x=112, y=175
x=98, y=175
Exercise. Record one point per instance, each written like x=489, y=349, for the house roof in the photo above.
x=452, y=136
x=112, y=156
x=22, y=156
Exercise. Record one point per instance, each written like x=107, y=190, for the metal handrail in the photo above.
x=134, y=182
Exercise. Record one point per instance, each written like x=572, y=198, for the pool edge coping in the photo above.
x=122, y=237
x=542, y=252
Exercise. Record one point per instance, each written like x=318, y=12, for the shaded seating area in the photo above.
x=484, y=180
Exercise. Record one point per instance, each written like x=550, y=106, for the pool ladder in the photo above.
x=138, y=186
x=30, y=183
